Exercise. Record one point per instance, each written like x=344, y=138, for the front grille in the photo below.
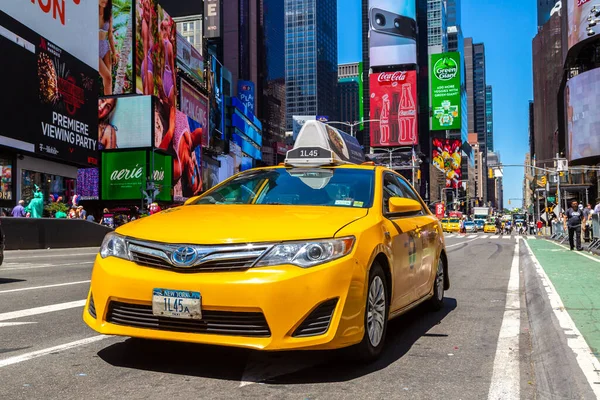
x=92, y=307
x=317, y=322
x=230, y=323
x=210, y=259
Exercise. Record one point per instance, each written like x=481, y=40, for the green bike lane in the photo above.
x=576, y=278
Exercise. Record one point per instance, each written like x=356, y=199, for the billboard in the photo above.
x=216, y=101
x=210, y=172
x=445, y=91
x=578, y=12
x=246, y=94
x=88, y=182
x=123, y=175
x=116, y=47
x=582, y=96
x=65, y=23
x=212, y=19
x=124, y=122
x=51, y=97
x=190, y=59
x=392, y=32
x=163, y=176
x=446, y=156
x=394, y=108
x=195, y=105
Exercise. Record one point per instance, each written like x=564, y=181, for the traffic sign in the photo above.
x=551, y=199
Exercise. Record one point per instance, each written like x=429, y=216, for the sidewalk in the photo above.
x=577, y=281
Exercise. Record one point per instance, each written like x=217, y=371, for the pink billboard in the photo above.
x=394, y=107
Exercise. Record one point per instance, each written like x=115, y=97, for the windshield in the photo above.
x=343, y=187
x=454, y=221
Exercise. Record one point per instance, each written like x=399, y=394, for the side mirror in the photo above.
x=191, y=200
x=403, y=206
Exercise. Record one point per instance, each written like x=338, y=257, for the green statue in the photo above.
x=36, y=205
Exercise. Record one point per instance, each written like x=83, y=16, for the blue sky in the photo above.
x=506, y=28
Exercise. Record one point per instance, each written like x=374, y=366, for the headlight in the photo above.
x=114, y=245
x=306, y=255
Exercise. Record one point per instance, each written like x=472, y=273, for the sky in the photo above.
x=507, y=29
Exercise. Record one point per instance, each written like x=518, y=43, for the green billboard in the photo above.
x=163, y=176
x=445, y=91
x=123, y=175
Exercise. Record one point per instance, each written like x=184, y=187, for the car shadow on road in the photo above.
x=10, y=280
x=227, y=363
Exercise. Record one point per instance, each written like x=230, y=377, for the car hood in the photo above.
x=222, y=224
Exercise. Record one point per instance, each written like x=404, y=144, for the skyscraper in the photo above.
x=469, y=83
x=479, y=87
x=489, y=118
x=453, y=12
x=311, y=58
x=350, y=93
x=437, y=35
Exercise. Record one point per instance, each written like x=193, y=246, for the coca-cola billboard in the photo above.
x=394, y=109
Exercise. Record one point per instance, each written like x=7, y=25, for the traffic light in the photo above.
x=419, y=174
x=490, y=173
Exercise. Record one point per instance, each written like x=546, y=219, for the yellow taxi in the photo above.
x=316, y=254
x=453, y=225
x=489, y=227
x=445, y=224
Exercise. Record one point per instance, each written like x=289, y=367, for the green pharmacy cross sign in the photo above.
x=445, y=91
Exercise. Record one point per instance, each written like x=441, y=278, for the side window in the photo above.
x=396, y=187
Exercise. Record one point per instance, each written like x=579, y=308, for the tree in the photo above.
x=123, y=7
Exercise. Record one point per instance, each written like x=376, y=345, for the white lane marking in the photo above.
x=506, y=378
x=41, y=310
x=34, y=266
x=471, y=236
x=52, y=256
x=494, y=237
x=531, y=238
x=35, y=354
x=581, y=253
x=43, y=287
x=589, y=364
x=3, y=324
x=458, y=244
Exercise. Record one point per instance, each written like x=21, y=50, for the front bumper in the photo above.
x=285, y=295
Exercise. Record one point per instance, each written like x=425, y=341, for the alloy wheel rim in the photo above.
x=439, y=280
x=376, y=311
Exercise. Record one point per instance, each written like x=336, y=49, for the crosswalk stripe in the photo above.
x=484, y=237
x=450, y=236
x=472, y=236
x=494, y=237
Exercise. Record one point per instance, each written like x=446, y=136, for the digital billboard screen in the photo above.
x=123, y=175
x=190, y=59
x=51, y=97
x=447, y=157
x=578, y=12
x=393, y=108
x=163, y=175
x=124, y=122
x=116, y=47
x=392, y=32
x=582, y=96
x=445, y=91
x=195, y=105
x=88, y=182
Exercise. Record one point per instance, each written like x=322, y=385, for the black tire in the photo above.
x=436, y=303
x=365, y=350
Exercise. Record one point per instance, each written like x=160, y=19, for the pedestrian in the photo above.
x=572, y=222
x=498, y=226
x=597, y=208
x=531, y=227
x=108, y=218
x=19, y=210
x=461, y=225
x=539, y=226
x=91, y=218
x=82, y=212
x=587, y=222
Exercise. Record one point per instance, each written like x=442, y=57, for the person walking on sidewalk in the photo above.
x=572, y=221
x=587, y=222
x=539, y=226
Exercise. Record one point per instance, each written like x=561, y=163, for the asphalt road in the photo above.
x=496, y=337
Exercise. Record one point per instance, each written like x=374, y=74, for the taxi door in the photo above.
x=402, y=233
x=427, y=235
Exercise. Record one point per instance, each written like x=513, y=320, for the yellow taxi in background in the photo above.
x=445, y=224
x=489, y=227
x=453, y=225
x=317, y=254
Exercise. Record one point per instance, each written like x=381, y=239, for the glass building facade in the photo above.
x=479, y=86
x=453, y=12
x=437, y=36
x=489, y=118
x=311, y=58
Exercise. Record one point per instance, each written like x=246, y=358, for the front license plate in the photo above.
x=176, y=304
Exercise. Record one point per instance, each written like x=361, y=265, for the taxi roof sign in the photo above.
x=319, y=144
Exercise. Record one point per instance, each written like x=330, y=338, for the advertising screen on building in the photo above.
x=116, y=47
x=582, y=97
x=212, y=18
x=195, y=105
x=447, y=158
x=190, y=59
x=123, y=175
x=65, y=23
x=88, y=183
x=155, y=52
x=578, y=12
x=445, y=91
x=163, y=176
x=124, y=122
x=246, y=94
x=394, y=107
x=51, y=97
x=216, y=100
x=392, y=32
